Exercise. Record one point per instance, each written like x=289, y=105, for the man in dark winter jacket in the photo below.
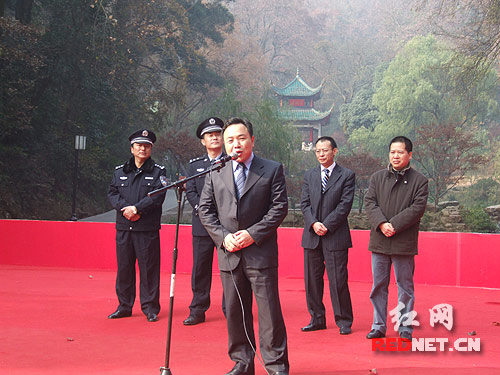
x=395, y=203
x=138, y=227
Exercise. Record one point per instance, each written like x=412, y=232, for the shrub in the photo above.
x=485, y=192
x=478, y=220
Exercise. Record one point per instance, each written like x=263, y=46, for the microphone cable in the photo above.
x=261, y=361
x=243, y=314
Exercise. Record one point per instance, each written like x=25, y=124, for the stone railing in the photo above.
x=494, y=212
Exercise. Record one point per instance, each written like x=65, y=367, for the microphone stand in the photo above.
x=179, y=185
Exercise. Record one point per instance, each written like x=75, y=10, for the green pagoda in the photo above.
x=296, y=106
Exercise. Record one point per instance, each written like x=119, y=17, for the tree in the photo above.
x=22, y=61
x=446, y=152
x=279, y=28
x=472, y=26
x=23, y=11
x=418, y=88
x=353, y=45
x=496, y=167
x=478, y=220
x=363, y=164
x=360, y=113
x=275, y=139
x=241, y=61
x=177, y=148
x=99, y=68
x=165, y=43
x=481, y=193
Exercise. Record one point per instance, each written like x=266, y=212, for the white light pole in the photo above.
x=80, y=143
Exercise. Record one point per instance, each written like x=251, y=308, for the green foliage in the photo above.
x=485, y=192
x=273, y=139
x=227, y=104
x=477, y=220
x=279, y=141
x=420, y=86
x=363, y=164
x=496, y=160
x=360, y=113
x=446, y=153
x=97, y=69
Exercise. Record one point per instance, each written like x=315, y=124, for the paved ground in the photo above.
x=53, y=322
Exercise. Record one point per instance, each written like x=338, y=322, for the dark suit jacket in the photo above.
x=261, y=209
x=331, y=208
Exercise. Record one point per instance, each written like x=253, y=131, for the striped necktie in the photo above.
x=239, y=178
x=324, y=181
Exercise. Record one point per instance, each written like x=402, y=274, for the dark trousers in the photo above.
x=272, y=333
x=201, y=276
x=315, y=261
x=145, y=248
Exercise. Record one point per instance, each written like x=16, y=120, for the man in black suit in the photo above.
x=327, y=196
x=241, y=207
x=210, y=134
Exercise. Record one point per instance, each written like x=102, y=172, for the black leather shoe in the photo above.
x=313, y=327
x=405, y=335
x=375, y=334
x=193, y=320
x=120, y=314
x=242, y=369
x=345, y=330
x=152, y=317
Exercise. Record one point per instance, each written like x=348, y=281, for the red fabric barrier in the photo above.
x=455, y=259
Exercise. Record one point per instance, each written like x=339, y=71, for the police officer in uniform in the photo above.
x=137, y=227
x=210, y=133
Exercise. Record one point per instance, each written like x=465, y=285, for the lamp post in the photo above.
x=80, y=143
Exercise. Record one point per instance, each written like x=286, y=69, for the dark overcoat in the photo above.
x=400, y=200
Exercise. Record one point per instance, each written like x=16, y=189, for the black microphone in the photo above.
x=225, y=159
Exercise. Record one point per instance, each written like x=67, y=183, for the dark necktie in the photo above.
x=324, y=181
x=239, y=178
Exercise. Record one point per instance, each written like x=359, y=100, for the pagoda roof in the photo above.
x=298, y=88
x=308, y=114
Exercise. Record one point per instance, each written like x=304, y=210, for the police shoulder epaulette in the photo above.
x=159, y=166
x=119, y=166
x=196, y=159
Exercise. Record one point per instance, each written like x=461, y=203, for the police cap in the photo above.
x=142, y=136
x=211, y=124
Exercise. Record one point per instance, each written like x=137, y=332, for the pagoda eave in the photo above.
x=298, y=88
x=304, y=116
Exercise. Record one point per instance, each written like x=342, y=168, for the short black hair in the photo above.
x=402, y=139
x=329, y=139
x=237, y=120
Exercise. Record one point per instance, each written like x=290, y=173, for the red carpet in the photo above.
x=53, y=321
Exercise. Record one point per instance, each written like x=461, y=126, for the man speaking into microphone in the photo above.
x=241, y=208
